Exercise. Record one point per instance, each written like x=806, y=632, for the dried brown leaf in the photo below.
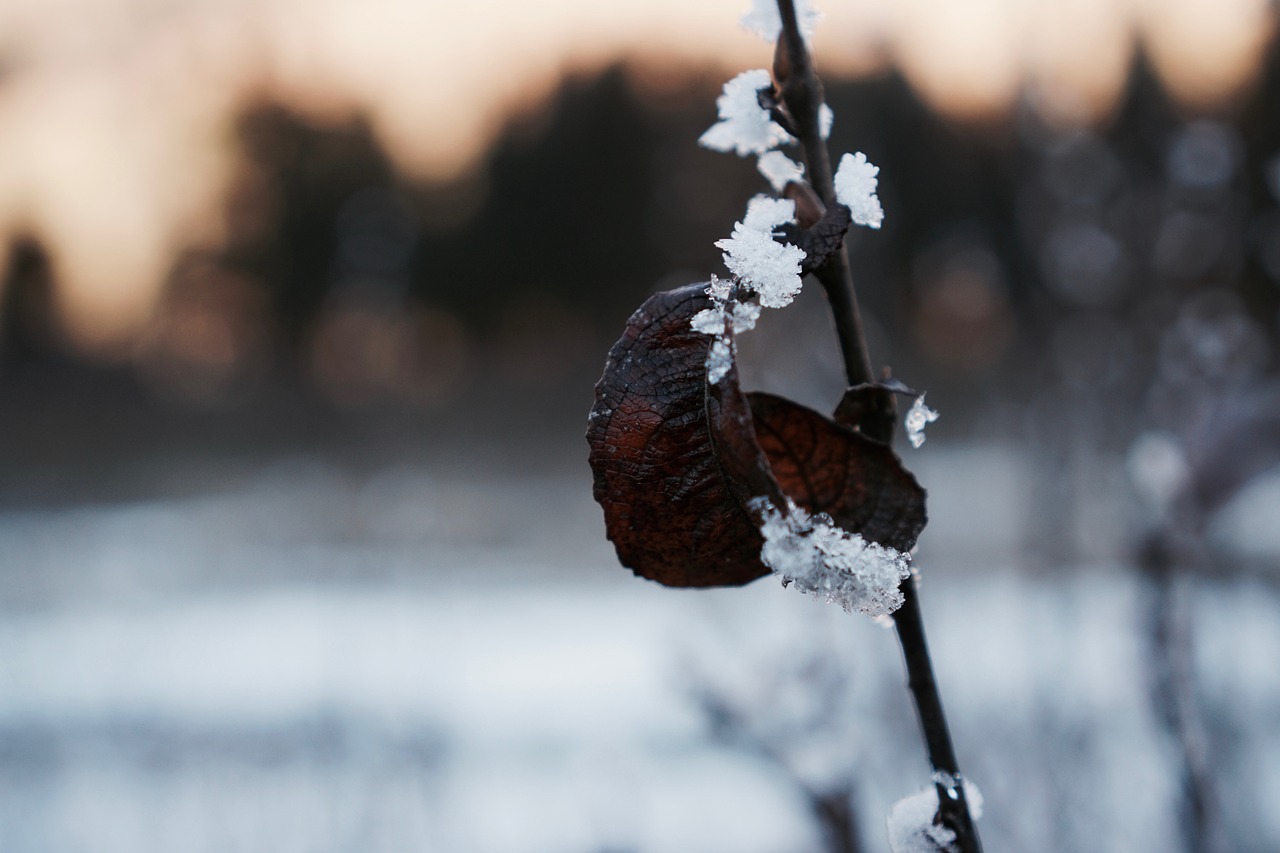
x=826, y=467
x=677, y=460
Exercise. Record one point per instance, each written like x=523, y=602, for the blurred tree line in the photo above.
x=1083, y=280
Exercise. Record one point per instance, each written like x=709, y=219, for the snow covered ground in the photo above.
x=409, y=662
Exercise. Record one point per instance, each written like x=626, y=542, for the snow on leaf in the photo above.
x=744, y=127
x=779, y=169
x=724, y=314
x=825, y=561
x=770, y=268
x=911, y=826
x=918, y=417
x=765, y=21
x=856, y=189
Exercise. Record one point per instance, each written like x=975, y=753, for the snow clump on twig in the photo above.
x=765, y=21
x=744, y=127
x=828, y=562
x=770, y=268
x=911, y=826
x=779, y=169
x=856, y=189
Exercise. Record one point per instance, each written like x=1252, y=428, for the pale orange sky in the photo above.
x=115, y=116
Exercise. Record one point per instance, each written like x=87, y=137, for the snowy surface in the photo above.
x=417, y=659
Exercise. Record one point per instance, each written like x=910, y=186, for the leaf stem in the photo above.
x=803, y=97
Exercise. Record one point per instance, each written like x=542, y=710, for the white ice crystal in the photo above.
x=826, y=118
x=770, y=268
x=918, y=417
x=723, y=314
x=823, y=560
x=779, y=169
x=765, y=21
x=856, y=189
x=744, y=126
x=712, y=321
x=719, y=360
x=911, y=826
x=768, y=214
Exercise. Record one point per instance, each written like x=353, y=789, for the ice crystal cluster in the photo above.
x=744, y=126
x=779, y=169
x=918, y=417
x=751, y=253
x=818, y=557
x=856, y=189
x=911, y=826
x=727, y=313
x=767, y=271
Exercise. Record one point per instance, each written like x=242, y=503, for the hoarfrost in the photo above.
x=830, y=563
x=723, y=313
x=769, y=214
x=770, y=268
x=779, y=169
x=911, y=826
x=712, y=321
x=744, y=126
x=856, y=189
x=719, y=360
x=918, y=417
x=826, y=118
x=765, y=21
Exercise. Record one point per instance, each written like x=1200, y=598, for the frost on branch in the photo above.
x=826, y=118
x=918, y=417
x=677, y=460
x=765, y=21
x=856, y=189
x=911, y=826
x=779, y=169
x=827, y=562
x=744, y=127
x=751, y=253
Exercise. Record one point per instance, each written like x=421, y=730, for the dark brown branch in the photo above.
x=803, y=97
x=802, y=94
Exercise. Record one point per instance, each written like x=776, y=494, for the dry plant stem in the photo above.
x=802, y=94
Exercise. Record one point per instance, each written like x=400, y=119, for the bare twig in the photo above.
x=803, y=97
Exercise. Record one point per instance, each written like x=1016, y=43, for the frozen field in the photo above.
x=403, y=662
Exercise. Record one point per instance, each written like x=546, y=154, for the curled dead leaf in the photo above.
x=676, y=460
